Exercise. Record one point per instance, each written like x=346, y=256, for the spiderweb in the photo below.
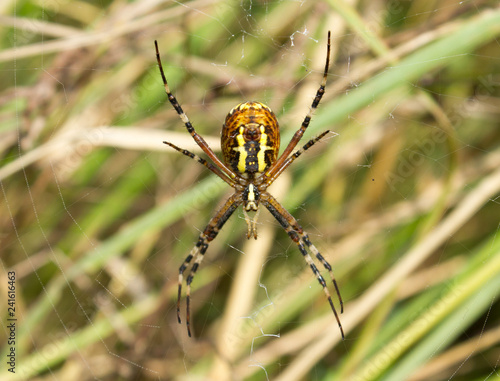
x=401, y=197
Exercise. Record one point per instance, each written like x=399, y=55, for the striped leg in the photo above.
x=298, y=134
x=197, y=138
x=202, y=161
x=297, y=234
x=294, y=156
x=326, y=265
x=198, y=252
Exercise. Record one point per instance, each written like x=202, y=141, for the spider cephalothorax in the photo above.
x=250, y=142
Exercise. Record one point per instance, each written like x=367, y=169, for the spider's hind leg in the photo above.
x=202, y=161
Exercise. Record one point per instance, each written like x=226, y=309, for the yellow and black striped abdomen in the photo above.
x=250, y=138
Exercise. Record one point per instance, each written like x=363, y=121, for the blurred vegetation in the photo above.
x=97, y=214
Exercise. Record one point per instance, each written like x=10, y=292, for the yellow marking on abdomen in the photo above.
x=262, y=149
x=241, y=149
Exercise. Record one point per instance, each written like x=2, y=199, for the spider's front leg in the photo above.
x=198, y=252
x=297, y=234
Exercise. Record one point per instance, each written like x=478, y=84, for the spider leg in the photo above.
x=294, y=156
x=198, y=252
x=202, y=161
x=197, y=138
x=300, y=132
x=297, y=234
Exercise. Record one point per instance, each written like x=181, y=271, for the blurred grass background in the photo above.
x=97, y=214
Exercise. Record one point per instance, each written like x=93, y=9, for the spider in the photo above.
x=250, y=142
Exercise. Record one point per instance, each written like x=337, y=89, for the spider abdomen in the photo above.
x=250, y=138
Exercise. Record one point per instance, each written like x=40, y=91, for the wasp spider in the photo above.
x=250, y=143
